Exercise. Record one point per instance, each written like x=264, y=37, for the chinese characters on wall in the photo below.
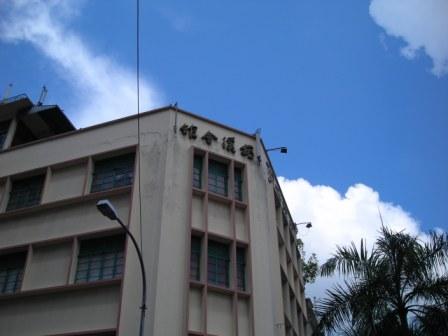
x=228, y=143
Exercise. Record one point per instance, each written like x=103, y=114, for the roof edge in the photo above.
x=130, y=117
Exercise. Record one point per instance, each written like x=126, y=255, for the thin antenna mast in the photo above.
x=43, y=95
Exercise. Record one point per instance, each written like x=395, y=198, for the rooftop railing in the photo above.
x=13, y=99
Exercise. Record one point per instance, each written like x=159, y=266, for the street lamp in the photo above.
x=308, y=225
x=108, y=210
x=282, y=150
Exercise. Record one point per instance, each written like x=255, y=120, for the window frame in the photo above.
x=238, y=183
x=241, y=273
x=18, y=266
x=218, y=266
x=21, y=196
x=111, y=168
x=198, y=169
x=86, y=260
x=195, y=258
x=218, y=181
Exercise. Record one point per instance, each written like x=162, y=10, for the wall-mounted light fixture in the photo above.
x=282, y=150
x=308, y=225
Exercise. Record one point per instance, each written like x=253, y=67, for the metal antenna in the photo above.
x=43, y=95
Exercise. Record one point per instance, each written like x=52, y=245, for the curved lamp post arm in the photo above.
x=142, y=266
x=108, y=210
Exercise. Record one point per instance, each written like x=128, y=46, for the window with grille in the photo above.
x=217, y=177
x=100, y=259
x=197, y=172
x=241, y=268
x=26, y=192
x=113, y=173
x=11, y=272
x=238, y=185
x=218, y=264
x=4, y=126
x=195, y=258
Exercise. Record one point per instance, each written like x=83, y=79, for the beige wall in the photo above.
x=165, y=196
x=75, y=311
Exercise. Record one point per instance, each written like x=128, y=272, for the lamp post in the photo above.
x=107, y=209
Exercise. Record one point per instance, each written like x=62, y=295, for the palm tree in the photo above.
x=399, y=287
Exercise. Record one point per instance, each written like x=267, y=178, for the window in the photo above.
x=113, y=173
x=100, y=259
x=241, y=268
x=217, y=177
x=4, y=126
x=26, y=192
x=218, y=264
x=195, y=258
x=238, y=186
x=11, y=272
x=197, y=172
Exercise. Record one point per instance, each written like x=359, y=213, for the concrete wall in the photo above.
x=167, y=208
x=75, y=311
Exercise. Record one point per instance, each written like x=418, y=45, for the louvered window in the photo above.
x=218, y=264
x=26, y=192
x=195, y=258
x=197, y=172
x=11, y=272
x=241, y=268
x=113, y=173
x=238, y=186
x=217, y=178
x=100, y=259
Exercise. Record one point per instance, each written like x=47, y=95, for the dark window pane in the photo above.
x=11, y=272
x=100, y=259
x=197, y=172
x=218, y=264
x=241, y=268
x=217, y=177
x=25, y=193
x=195, y=258
x=238, y=186
x=113, y=173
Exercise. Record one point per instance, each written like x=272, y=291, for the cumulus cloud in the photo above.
x=340, y=219
x=422, y=24
x=108, y=89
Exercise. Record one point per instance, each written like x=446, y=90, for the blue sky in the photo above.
x=357, y=90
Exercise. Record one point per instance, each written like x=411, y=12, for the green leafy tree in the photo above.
x=399, y=287
x=310, y=266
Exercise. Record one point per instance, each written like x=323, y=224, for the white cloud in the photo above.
x=107, y=89
x=422, y=24
x=340, y=219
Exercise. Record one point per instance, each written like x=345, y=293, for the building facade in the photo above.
x=202, y=199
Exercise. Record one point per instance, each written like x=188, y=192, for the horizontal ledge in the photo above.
x=64, y=202
x=240, y=205
x=196, y=284
x=198, y=192
x=195, y=333
x=243, y=295
x=220, y=289
x=88, y=332
x=219, y=198
x=60, y=289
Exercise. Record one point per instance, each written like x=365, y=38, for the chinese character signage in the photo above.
x=228, y=143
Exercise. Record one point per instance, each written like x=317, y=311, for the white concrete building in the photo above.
x=218, y=242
